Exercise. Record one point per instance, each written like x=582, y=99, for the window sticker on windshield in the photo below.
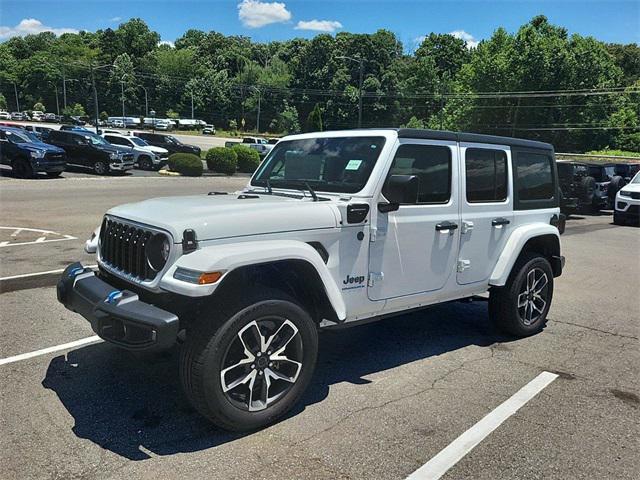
x=353, y=165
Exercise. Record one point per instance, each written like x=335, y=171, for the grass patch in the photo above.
x=615, y=153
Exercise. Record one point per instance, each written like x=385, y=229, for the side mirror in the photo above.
x=401, y=189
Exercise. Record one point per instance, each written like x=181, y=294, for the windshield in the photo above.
x=174, y=140
x=636, y=179
x=20, y=137
x=326, y=164
x=96, y=140
x=139, y=141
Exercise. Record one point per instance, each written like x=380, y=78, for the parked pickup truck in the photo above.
x=28, y=155
x=261, y=145
x=333, y=229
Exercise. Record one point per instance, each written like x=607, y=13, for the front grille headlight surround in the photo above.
x=158, y=251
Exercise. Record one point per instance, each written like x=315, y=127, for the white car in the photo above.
x=334, y=228
x=627, y=207
x=145, y=156
x=5, y=115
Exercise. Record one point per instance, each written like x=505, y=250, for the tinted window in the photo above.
x=534, y=177
x=431, y=164
x=341, y=164
x=486, y=175
x=116, y=140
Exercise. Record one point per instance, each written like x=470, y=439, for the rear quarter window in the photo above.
x=535, y=180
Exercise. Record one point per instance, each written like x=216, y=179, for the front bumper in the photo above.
x=121, y=166
x=117, y=316
x=50, y=167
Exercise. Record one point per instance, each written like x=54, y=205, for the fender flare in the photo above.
x=511, y=251
x=226, y=258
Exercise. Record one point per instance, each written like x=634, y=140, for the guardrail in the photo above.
x=592, y=156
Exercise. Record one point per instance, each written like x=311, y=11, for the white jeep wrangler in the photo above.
x=333, y=228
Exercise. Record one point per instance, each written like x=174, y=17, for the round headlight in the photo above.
x=158, y=250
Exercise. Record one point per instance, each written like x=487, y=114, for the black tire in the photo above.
x=615, y=185
x=22, y=168
x=503, y=301
x=145, y=163
x=208, y=345
x=100, y=167
x=618, y=219
x=587, y=191
x=53, y=174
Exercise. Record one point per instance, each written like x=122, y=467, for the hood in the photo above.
x=154, y=149
x=40, y=146
x=223, y=216
x=631, y=187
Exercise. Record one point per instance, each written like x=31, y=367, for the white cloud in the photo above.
x=418, y=40
x=115, y=19
x=467, y=37
x=28, y=26
x=167, y=42
x=319, y=25
x=256, y=14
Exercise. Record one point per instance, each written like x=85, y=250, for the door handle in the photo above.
x=446, y=227
x=499, y=222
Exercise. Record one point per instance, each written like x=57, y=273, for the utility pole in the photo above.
x=146, y=102
x=64, y=90
x=122, y=85
x=191, y=105
x=15, y=89
x=258, y=116
x=55, y=87
x=95, y=99
x=360, y=62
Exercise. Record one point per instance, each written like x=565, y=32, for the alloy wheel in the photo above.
x=262, y=363
x=534, y=296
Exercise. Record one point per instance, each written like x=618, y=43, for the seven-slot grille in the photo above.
x=123, y=247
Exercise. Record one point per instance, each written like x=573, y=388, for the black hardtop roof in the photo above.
x=470, y=137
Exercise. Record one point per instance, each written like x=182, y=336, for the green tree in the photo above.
x=39, y=106
x=75, y=110
x=3, y=102
x=314, y=120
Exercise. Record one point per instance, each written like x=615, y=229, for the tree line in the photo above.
x=539, y=82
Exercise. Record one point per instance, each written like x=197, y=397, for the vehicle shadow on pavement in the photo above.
x=129, y=403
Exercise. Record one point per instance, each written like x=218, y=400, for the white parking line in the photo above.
x=456, y=450
x=44, y=351
x=40, y=239
x=36, y=274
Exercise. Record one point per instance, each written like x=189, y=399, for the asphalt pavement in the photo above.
x=386, y=398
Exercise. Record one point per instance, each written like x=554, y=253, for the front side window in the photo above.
x=534, y=177
x=340, y=164
x=116, y=140
x=431, y=164
x=486, y=175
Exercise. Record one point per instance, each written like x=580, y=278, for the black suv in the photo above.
x=28, y=155
x=89, y=150
x=169, y=142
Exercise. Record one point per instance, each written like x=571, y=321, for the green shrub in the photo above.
x=186, y=164
x=248, y=158
x=222, y=160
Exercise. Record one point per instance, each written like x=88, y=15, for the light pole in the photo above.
x=122, y=98
x=360, y=62
x=55, y=87
x=258, y=116
x=146, y=101
x=15, y=89
x=153, y=121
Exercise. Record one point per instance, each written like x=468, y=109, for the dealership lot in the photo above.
x=386, y=398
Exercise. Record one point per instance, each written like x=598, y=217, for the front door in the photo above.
x=414, y=249
x=486, y=205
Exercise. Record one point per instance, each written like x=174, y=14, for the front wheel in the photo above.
x=100, y=167
x=253, y=369
x=520, y=307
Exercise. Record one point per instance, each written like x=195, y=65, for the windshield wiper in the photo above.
x=311, y=191
x=295, y=184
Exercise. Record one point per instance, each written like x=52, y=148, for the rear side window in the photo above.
x=431, y=164
x=486, y=175
x=534, y=174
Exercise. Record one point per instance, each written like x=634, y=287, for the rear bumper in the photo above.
x=117, y=316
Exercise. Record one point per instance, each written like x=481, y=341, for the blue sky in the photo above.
x=264, y=20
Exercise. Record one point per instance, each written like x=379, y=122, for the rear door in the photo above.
x=415, y=248
x=486, y=206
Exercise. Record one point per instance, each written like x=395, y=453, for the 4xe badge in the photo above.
x=353, y=282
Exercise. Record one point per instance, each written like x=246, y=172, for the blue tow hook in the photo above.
x=113, y=296
x=76, y=271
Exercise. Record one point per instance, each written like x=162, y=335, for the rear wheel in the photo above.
x=588, y=193
x=247, y=371
x=521, y=306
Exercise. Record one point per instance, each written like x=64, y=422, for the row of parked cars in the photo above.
x=31, y=150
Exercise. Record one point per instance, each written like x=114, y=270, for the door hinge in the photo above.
x=466, y=227
x=373, y=234
x=373, y=277
x=463, y=265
